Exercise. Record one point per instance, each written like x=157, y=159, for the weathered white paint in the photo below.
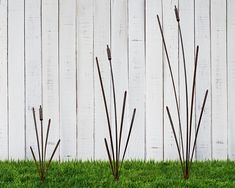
x=85, y=74
x=33, y=69
x=202, y=38
x=231, y=77
x=47, y=56
x=136, y=94
x=154, y=83
x=50, y=71
x=67, y=71
x=119, y=47
x=101, y=39
x=16, y=79
x=171, y=37
x=219, y=79
x=186, y=11
x=3, y=82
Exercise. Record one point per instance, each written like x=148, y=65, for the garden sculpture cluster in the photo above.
x=185, y=156
x=185, y=150
x=41, y=165
x=114, y=156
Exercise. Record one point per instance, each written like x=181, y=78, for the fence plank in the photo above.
x=32, y=68
x=136, y=15
x=3, y=82
x=16, y=83
x=85, y=85
x=67, y=35
x=186, y=11
x=219, y=78
x=119, y=47
x=154, y=83
x=202, y=38
x=101, y=39
x=231, y=76
x=171, y=36
x=51, y=71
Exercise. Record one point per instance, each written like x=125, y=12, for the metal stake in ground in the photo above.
x=42, y=166
x=115, y=163
x=185, y=161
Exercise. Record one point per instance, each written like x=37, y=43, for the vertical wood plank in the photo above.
x=137, y=76
x=154, y=83
x=186, y=11
x=3, y=82
x=171, y=36
x=101, y=39
x=67, y=42
x=16, y=79
x=50, y=71
x=219, y=79
x=231, y=76
x=85, y=85
x=119, y=47
x=202, y=38
x=32, y=68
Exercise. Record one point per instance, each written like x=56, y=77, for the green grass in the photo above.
x=134, y=174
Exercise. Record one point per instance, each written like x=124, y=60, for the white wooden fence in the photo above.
x=47, y=52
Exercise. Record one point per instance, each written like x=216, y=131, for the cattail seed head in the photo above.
x=177, y=14
x=109, y=53
x=40, y=113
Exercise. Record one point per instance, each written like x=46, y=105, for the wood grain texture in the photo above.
x=50, y=70
x=101, y=39
x=85, y=85
x=202, y=38
x=231, y=77
x=154, y=83
x=16, y=82
x=67, y=55
x=33, y=69
x=219, y=78
x=3, y=81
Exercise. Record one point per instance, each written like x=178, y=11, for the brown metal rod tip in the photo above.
x=109, y=53
x=177, y=14
x=40, y=113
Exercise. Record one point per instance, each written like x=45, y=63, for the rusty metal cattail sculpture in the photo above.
x=187, y=155
x=114, y=153
x=41, y=165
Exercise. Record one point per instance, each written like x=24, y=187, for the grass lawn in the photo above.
x=134, y=174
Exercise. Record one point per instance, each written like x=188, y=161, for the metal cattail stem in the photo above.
x=114, y=159
x=185, y=158
x=43, y=166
